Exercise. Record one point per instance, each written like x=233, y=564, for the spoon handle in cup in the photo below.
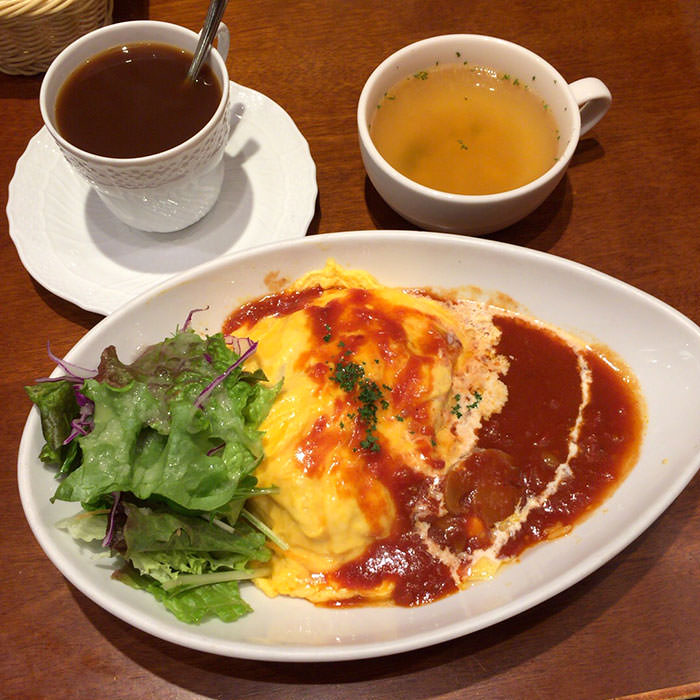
x=211, y=25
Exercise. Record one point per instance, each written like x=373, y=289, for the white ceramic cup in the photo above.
x=165, y=191
x=576, y=107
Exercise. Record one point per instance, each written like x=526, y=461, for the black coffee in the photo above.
x=134, y=100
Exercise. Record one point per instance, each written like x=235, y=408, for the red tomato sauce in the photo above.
x=271, y=305
x=517, y=453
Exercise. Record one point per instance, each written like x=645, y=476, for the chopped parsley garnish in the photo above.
x=457, y=407
x=475, y=402
x=347, y=374
x=327, y=336
x=370, y=442
x=369, y=395
x=421, y=75
x=350, y=376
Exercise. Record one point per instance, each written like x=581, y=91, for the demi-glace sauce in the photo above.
x=517, y=454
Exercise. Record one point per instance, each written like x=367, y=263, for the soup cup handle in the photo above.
x=222, y=40
x=593, y=99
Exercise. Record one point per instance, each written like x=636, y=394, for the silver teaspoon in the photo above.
x=206, y=36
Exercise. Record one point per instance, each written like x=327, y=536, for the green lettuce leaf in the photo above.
x=222, y=600
x=151, y=439
x=164, y=545
x=169, y=463
x=58, y=407
x=166, y=566
x=87, y=526
x=147, y=530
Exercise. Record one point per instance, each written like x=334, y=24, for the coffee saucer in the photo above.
x=73, y=246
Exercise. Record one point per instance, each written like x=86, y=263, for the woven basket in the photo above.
x=33, y=32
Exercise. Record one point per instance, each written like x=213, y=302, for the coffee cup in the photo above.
x=576, y=108
x=165, y=191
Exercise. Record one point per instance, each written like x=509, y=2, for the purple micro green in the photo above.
x=72, y=371
x=239, y=343
x=112, y=516
x=188, y=320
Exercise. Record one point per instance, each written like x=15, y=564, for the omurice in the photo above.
x=422, y=439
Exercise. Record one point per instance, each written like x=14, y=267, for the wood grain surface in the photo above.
x=629, y=206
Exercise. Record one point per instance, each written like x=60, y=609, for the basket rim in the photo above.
x=12, y=9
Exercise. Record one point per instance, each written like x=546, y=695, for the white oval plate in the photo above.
x=72, y=245
x=660, y=345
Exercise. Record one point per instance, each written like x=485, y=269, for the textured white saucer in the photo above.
x=72, y=245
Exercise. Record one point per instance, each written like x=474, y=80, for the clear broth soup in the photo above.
x=465, y=130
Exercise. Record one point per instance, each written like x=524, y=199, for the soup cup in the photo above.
x=576, y=108
x=166, y=191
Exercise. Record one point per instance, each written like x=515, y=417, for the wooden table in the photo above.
x=629, y=206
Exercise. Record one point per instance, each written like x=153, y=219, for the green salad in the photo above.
x=161, y=454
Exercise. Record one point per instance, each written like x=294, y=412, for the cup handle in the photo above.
x=222, y=40
x=593, y=99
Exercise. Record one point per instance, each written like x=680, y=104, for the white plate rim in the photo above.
x=190, y=638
